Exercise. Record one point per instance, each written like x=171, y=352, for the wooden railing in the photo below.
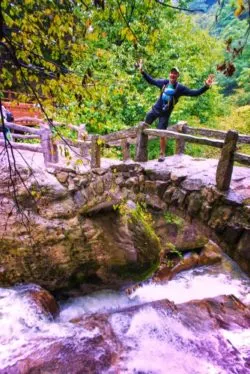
x=182, y=133
x=91, y=145
x=227, y=142
x=43, y=134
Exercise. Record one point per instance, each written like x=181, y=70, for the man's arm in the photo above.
x=188, y=92
x=156, y=82
x=208, y=83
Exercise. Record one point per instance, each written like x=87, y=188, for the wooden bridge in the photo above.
x=90, y=146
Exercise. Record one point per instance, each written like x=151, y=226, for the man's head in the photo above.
x=174, y=75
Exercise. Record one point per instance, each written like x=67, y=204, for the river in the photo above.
x=154, y=343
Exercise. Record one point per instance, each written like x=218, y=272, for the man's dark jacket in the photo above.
x=180, y=90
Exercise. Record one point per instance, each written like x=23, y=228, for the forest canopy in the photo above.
x=78, y=58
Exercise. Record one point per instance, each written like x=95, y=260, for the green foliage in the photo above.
x=172, y=255
x=99, y=48
x=172, y=218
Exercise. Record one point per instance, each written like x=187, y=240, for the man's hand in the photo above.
x=139, y=66
x=210, y=80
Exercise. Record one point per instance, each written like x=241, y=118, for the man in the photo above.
x=171, y=91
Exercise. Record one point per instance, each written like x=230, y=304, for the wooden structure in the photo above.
x=182, y=133
x=90, y=145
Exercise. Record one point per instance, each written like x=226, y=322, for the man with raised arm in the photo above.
x=171, y=91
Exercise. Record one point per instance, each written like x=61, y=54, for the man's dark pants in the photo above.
x=163, y=119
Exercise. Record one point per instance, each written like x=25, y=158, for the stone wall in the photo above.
x=223, y=215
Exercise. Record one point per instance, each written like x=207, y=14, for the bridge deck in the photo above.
x=200, y=171
x=195, y=171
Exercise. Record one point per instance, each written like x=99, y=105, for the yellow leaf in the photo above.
x=240, y=8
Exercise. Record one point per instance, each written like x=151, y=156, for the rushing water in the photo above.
x=154, y=343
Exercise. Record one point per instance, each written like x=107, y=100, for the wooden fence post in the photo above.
x=141, y=144
x=226, y=161
x=50, y=151
x=95, y=153
x=125, y=149
x=82, y=136
x=180, y=143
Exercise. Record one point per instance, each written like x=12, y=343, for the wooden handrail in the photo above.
x=192, y=139
x=20, y=128
x=216, y=133
x=243, y=159
x=22, y=146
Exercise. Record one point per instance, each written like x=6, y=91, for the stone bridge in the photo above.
x=181, y=184
x=59, y=237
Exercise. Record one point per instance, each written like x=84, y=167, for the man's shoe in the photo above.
x=161, y=158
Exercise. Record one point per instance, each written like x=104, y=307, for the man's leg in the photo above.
x=163, y=146
x=163, y=124
x=151, y=117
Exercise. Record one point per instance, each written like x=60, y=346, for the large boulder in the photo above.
x=57, y=238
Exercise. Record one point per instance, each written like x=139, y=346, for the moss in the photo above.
x=172, y=218
x=139, y=214
x=136, y=272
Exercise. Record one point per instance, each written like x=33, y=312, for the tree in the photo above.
x=78, y=57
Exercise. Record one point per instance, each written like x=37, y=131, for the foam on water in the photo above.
x=157, y=343
x=102, y=301
x=24, y=330
x=240, y=340
x=189, y=285
x=193, y=286
x=154, y=343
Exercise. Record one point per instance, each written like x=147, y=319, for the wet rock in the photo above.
x=43, y=301
x=109, y=342
x=210, y=254
x=168, y=272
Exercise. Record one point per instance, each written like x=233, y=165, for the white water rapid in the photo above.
x=155, y=342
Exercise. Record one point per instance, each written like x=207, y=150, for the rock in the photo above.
x=210, y=254
x=109, y=342
x=46, y=242
x=71, y=186
x=184, y=236
x=178, y=178
x=194, y=204
x=168, y=194
x=59, y=209
x=80, y=198
x=243, y=247
x=99, y=187
x=232, y=234
x=220, y=216
x=62, y=177
x=43, y=301
x=168, y=272
x=161, y=188
x=155, y=203
x=154, y=174
x=149, y=187
x=192, y=185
